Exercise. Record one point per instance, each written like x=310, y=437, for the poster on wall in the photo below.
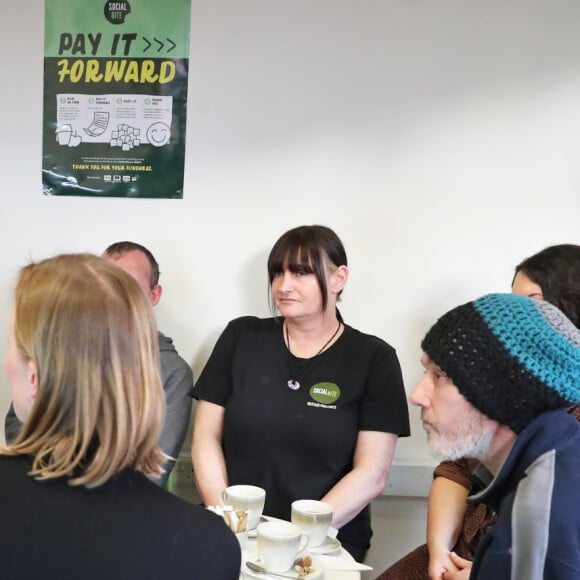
x=115, y=96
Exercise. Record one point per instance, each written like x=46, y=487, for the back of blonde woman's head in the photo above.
x=89, y=330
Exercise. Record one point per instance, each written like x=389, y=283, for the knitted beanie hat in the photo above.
x=510, y=356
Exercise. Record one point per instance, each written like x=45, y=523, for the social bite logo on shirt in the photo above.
x=325, y=393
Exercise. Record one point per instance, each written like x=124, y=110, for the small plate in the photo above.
x=317, y=573
x=328, y=547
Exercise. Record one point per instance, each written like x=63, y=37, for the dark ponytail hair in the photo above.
x=556, y=270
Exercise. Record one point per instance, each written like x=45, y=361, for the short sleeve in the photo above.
x=457, y=471
x=215, y=382
x=384, y=405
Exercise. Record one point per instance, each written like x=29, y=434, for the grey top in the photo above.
x=177, y=380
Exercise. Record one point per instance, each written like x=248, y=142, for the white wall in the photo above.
x=439, y=139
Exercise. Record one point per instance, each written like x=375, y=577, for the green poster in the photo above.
x=115, y=96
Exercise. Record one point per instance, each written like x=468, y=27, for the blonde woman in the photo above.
x=83, y=367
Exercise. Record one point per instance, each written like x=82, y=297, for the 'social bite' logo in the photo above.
x=325, y=393
x=115, y=12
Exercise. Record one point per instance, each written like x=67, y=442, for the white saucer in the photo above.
x=328, y=547
x=318, y=570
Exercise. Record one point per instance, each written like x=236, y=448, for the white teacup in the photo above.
x=279, y=543
x=242, y=539
x=313, y=517
x=245, y=497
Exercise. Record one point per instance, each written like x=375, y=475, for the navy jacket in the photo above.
x=536, y=494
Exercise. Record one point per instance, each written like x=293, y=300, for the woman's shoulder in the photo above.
x=458, y=471
x=367, y=341
x=14, y=466
x=254, y=323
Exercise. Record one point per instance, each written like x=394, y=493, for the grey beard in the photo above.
x=476, y=444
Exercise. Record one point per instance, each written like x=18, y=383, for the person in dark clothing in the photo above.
x=501, y=372
x=83, y=368
x=329, y=399
x=553, y=274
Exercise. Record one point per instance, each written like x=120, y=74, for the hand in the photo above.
x=439, y=564
x=462, y=566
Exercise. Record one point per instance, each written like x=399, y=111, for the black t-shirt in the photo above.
x=297, y=444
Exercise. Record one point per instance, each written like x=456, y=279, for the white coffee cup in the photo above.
x=245, y=497
x=313, y=517
x=242, y=539
x=279, y=543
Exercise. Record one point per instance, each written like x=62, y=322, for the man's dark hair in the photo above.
x=121, y=248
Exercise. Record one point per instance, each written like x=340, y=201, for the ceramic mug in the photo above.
x=313, y=517
x=245, y=497
x=242, y=539
x=279, y=544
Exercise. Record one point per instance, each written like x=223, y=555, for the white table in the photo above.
x=251, y=547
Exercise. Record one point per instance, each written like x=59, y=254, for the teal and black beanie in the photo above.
x=510, y=356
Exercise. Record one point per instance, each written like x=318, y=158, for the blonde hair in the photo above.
x=89, y=330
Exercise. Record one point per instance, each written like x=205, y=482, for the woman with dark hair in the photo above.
x=454, y=528
x=552, y=275
x=301, y=404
